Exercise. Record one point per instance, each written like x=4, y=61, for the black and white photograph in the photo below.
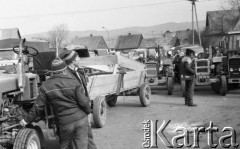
x=119, y=74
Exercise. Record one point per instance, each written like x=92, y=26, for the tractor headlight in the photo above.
x=238, y=69
x=231, y=69
x=212, y=66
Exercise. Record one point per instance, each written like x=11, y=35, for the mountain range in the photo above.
x=146, y=31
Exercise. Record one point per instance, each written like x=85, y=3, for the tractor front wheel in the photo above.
x=27, y=139
x=170, y=85
x=223, y=85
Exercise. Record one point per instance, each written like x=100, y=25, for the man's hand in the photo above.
x=23, y=123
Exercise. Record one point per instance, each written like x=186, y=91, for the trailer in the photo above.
x=125, y=78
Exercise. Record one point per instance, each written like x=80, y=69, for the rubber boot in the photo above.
x=191, y=104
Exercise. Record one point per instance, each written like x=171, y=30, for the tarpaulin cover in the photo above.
x=42, y=62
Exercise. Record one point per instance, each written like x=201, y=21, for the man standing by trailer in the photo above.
x=70, y=107
x=71, y=58
x=188, y=74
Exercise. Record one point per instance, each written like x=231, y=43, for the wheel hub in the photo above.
x=32, y=145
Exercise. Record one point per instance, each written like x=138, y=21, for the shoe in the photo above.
x=191, y=104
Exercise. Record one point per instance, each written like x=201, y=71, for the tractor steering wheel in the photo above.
x=29, y=51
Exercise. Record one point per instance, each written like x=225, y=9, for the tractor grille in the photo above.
x=151, y=66
x=234, y=63
x=202, y=63
x=202, y=70
x=151, y=72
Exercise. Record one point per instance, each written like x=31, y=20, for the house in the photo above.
x=184, y=37
x=125, y=43
x=93, y=43
x=10, y=33
x=218, y=24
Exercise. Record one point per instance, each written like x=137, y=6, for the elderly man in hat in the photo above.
x=188, y=74
x=71, y=58
x=69, y=104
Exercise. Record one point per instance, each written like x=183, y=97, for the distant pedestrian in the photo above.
x=188, y=74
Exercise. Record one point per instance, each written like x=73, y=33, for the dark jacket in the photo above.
x=67, y=98
x=81, y=80
x=186, y=67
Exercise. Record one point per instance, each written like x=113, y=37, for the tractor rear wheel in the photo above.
x=27, y=139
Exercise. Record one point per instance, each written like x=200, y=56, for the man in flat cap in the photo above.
x=70, y=107
x=188, y=74
x=72, y=59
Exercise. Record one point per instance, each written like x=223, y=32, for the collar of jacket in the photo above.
x=60, y=76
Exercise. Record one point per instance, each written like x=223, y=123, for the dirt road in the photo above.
x=124, y=122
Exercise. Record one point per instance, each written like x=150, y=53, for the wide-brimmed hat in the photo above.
x=58, y=65
x=68, y=56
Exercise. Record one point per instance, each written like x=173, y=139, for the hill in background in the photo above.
x=147, y=32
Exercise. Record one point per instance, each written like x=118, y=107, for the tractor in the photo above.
x=19, y=89
x=209, y=72
x=157, y=74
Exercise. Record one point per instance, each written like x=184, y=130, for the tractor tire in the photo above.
x=170, y=85
x=27, y=139
x=99, y=111
x=144, y=95
x=223, y=85
x=111, y=100
x=183, y=88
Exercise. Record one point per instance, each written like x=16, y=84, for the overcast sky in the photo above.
x=35, y=16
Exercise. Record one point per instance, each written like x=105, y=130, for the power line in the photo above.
x=99, y=10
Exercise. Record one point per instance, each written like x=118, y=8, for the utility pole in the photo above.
x=194, y=10
x=106, y=31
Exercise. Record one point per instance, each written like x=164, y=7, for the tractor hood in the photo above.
x=8, y=82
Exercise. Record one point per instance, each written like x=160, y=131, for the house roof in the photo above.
x=10, y=43
x=149, y=43
x=222, y=21
x=91, y=42
x=111, y=43
x=10, y=33
x=128, y=41
x=184, y=37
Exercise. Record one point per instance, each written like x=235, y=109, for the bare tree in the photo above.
x=58, y=34
x=231, y=4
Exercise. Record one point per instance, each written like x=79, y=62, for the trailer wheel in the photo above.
x=27, y=139
x=111, y=100
x=183, y=87
x=170, y=85
x=223, y=85
x=144, y=95
x=99, y=111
